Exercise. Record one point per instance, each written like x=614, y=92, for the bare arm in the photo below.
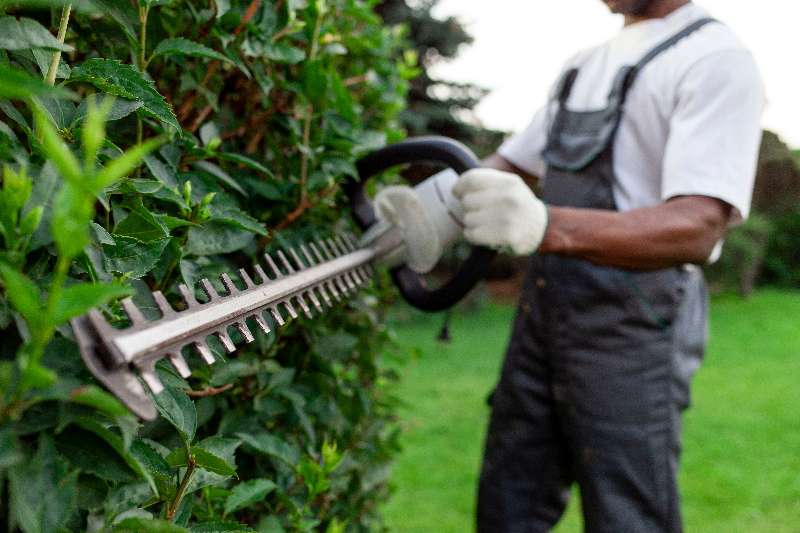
x=682, y=230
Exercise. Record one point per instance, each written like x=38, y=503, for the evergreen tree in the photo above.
x=437, y=106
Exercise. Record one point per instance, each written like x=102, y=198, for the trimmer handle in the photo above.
x=421, y=150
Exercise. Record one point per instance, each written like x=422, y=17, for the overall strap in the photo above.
x=627, y=75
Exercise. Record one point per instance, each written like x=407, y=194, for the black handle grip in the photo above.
x=421, y=150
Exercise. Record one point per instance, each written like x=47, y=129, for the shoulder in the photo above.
x=715, y=41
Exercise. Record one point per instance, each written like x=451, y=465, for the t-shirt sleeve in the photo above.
x=524, y=149
x=715, y=131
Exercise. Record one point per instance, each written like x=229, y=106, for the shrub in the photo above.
x=174, y=140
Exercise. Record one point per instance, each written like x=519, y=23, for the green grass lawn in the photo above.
x=741, y=463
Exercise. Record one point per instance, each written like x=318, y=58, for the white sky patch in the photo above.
x=521, y=46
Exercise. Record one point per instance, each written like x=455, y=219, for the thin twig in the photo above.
x=210, y=391
x=52, y=72
x=201, y=117
x=172, y=508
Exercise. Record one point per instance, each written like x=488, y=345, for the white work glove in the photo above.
x=501, y=211
x=401, y=207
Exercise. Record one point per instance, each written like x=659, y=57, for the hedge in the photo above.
x=145, y=143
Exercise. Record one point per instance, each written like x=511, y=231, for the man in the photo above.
x=646, y=154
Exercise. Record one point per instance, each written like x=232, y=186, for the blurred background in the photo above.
x=487, y=67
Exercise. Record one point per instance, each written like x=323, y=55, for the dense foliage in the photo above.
x=145, y=143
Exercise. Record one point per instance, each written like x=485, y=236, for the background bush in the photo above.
x=231, y=128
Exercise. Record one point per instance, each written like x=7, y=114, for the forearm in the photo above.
x=684, y=230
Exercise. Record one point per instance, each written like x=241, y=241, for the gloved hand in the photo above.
x=401, y=207
x=501, y=211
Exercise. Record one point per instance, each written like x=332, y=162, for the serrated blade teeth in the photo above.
x=226, y=341
x=339, y=281
x=291, y=309
x=332, y=288
x=227, y=282
x=348, y=282
x=272, y=266
x=188, y=295
x=209, y=289
x=133, y=312
x=277, y=316
x=338, y=245
x=205, y=353
x=248, y=281
x=309, y=259
x=315, y=250
x=151, y=380
x=242, y=328
x=350, y=243
x=315, y=300
x=304, y=306
x=179, y=363
x=329, y=252
x=261, y=323
x=325, y=295
x=297, y=260
x=162, y=303
x=285, y=262
x=262, y=276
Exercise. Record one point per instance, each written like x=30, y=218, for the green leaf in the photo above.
x=222, y=527
x=236, y=217
x=18, y=85
x=118, y=444
x=42, y=491
x=245, y=161
x=273, y=446
x=94, y=396
x=184, y=47
x=78, y=299
x=91, y=454
x=123, y=14
x=158, y=468
x=161, y=171
x=114, y=77
x=141, y=224
x=179, y=410
x=220, y=174
x=214, y=238
x=120, y=108
x=23, y=294
x=144, y=525
x=132, y=257
x=44, y=190
x=204, y=459
x=10, y=453
x=224, y=448
x=72, y=212
x=248, y=493
x=123, y=165
x=283, y=53
x=57, y=150
x=26, y=33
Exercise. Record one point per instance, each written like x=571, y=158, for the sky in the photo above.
x=521, y=45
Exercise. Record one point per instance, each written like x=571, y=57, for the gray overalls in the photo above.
x=599, y=364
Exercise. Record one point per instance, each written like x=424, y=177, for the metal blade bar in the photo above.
x=165, y=333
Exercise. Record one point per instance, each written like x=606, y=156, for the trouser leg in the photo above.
x=525, y=478
x=624, y=401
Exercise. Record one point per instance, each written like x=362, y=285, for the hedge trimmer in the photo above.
x=309, y=277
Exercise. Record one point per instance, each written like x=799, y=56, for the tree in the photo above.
x=438, y=106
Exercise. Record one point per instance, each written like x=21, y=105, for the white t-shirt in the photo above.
x=692, y=119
